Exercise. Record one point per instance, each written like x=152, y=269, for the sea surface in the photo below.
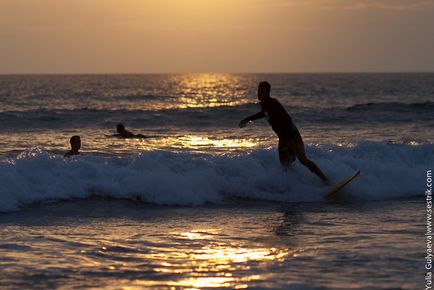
x=203, y=204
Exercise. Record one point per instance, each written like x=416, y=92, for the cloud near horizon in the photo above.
x=357, y=4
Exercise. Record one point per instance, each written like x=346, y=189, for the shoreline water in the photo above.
x=107, y=243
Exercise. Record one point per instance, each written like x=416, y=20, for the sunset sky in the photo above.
x=158, y=36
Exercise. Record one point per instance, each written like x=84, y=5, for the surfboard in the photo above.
x=338, y=186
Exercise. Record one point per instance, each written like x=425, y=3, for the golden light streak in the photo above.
x=213, y=265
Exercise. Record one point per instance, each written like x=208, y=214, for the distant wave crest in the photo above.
x=393, y=106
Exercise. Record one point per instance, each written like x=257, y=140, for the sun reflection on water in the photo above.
x=197, y=143
x=210, y=90
x=215, y=265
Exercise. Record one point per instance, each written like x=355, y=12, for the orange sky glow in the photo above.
x=165, y=36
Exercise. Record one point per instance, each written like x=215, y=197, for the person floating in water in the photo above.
x=124, y=133
x=75, y=146
x=290, y=142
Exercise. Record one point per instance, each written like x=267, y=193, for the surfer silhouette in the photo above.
x=291, y=144
x=125, y=134
x=75, y=146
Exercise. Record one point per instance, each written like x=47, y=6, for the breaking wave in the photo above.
x=389, y=171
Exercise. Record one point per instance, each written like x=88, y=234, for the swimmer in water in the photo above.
x=125, y=134
x=75, y=146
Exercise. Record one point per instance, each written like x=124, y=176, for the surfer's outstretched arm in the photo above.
x=256, y=116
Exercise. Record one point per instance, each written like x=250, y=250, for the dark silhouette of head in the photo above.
x=75, y=143
x=120, y=128
x=264, y=89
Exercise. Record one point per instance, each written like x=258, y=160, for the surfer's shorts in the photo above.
x=287, y=143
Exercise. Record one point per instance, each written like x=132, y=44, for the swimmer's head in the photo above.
x=75, y=143
x=264, y=89
x=120, y=128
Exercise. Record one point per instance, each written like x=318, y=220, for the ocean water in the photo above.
x=202, y=203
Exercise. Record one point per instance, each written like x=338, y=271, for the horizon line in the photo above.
x=252, y=73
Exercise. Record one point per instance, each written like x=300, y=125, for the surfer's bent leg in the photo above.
x=286, y=153
x=298, y=145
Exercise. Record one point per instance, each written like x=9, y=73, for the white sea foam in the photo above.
x=389, y=171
